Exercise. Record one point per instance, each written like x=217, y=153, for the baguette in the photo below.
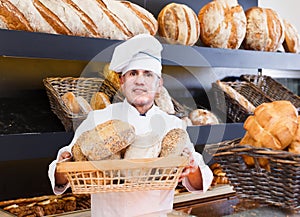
x=90, y=18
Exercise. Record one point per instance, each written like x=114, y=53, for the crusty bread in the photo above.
x=291, y=41
x=235, y=95
x=164, y=101
x=294, y=147
x=99, y=100
x=106, y=139
x=203, y=117
x=179, y=24
x=112, y=76
x=71, y=102
x=92, y=18
x=273, y=125
x=84, y=105
x=222, y=24
x=265, y=30
x=174, y=142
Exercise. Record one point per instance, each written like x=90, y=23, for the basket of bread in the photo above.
x=264, y=165
x=111, y=158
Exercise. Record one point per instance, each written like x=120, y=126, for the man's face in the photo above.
x=140, y=87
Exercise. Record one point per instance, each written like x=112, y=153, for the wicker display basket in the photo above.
x=88, y=177
x=280, y=186
x=56, y=87
x=272, y=88
x=234, y=110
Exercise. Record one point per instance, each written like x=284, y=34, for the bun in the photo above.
x=265, y=30
x=222, y=24
x=164, y=101
x=92, y=18
x=179, y=24
x=71, y=102
x=106, y=139
x=174, y=142
x=291, y=41
x=203, y=117
x=99, y=100
x=237, y=96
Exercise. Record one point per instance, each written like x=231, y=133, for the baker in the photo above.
x=138, y=60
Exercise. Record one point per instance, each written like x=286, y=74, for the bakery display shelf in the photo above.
x=50, y=46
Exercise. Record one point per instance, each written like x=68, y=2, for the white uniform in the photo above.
x=141, y=203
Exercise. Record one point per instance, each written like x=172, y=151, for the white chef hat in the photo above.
x=139, y=52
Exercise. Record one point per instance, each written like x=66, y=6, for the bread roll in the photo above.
x=84, y=105
x=106, y=139
x=92, y=18
x=265, y=30
x=164, y=101
x=203, y=117
x=77, y=153
x=174, y=142
x=179, y=24
x=99, y=100
x=291, y=41
x=71, y=102
x=222, y=24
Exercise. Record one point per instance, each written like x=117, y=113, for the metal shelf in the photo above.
x=42, y=45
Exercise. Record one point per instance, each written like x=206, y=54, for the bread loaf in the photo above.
x=84, y=105
x=291, y=41
x=174, y=142
x=99, y=100
x=222, y=24
x=112, y=76
x=179, y=24
x=203, y=117
x=265, y=30
x=164, y=101
x=71, y=102
x=235, y=95
x=106, y=139
x=144, y=146
x=92, y=18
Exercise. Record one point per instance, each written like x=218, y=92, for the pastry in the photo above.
x=203, y=117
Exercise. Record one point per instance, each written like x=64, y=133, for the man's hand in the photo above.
x=61, y=178
x=192, y=171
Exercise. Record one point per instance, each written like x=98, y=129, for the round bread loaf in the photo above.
x=203, y=117
x=174, y=142
x=71, y=102
x=294, y=147
x=179, y=24
x=106, y=139
x=265, y=30
x=164, y=101
x=84, y=105
x=99, y=100
x=222, y=24
x=291, y=41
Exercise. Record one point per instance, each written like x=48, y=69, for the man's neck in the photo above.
x=143, y=109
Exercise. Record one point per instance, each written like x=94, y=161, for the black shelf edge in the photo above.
x=50, y=46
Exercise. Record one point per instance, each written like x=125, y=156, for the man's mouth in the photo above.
x=139, y=90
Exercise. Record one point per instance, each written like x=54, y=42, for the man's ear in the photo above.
x=122, y=79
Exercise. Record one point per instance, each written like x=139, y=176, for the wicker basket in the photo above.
x=272, y=88
x=280, y=186
x=234, y=110
x=85, y=87
x=124, y=175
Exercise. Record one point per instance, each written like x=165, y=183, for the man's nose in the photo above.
x=140, y=79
